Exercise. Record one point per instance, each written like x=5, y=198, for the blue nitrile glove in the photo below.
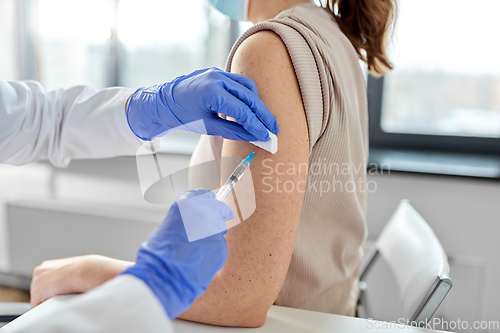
x=153, y=111
x=176, y=270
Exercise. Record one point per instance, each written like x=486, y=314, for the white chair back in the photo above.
x=416, y=258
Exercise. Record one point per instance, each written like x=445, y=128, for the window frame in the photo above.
x=420, y=142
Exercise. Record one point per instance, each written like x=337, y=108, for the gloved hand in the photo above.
x=200, y=96
x=176, y=270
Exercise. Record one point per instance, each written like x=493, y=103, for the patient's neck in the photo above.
x=262, y=10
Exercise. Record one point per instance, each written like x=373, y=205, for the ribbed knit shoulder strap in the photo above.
x=304, y=57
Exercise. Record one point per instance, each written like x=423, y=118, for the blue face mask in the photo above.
x=235, y=9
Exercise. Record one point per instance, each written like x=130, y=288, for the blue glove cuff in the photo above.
x=174, y=299
x=148, y=114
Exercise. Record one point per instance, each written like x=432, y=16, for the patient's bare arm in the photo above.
x=260, y=248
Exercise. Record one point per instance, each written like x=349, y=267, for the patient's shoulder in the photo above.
x=262, y=52
x=264, y=58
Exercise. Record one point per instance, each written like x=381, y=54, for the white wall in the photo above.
x=112, y=182
x=30, y=181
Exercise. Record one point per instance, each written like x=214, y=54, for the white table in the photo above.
x=281, y=319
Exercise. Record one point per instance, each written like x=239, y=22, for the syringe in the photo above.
x=234, y=178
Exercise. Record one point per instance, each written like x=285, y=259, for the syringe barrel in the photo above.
x=225, y=190
x=240, y=170
x=231, y=182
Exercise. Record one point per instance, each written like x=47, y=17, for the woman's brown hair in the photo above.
x=367, y=24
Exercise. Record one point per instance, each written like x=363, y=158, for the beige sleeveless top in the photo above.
x=329, y=246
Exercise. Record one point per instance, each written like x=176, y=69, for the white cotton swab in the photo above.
x=271, y=145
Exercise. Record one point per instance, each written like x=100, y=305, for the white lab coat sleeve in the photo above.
x=124, y=304
x=61, y=125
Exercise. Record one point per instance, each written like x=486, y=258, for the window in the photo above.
x=444, y=93
x=8, y=64
x=72, y=39
x=110, y=42
x=163, y=39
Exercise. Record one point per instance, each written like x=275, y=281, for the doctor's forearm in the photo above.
x=61, y=125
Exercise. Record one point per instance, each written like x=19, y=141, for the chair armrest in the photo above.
x=368, y=261
x=431, y=302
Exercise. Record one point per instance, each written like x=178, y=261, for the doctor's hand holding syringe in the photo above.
x=177, y=270
x=170, y=273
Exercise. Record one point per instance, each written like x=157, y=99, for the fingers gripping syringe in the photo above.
x=234, y=178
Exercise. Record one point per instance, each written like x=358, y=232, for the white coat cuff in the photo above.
x=121, y=119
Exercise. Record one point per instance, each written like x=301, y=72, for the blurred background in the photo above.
x=105, y=43
x=434, y=130
x=447, y=76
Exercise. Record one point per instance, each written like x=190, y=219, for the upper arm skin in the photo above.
x=261, y=247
